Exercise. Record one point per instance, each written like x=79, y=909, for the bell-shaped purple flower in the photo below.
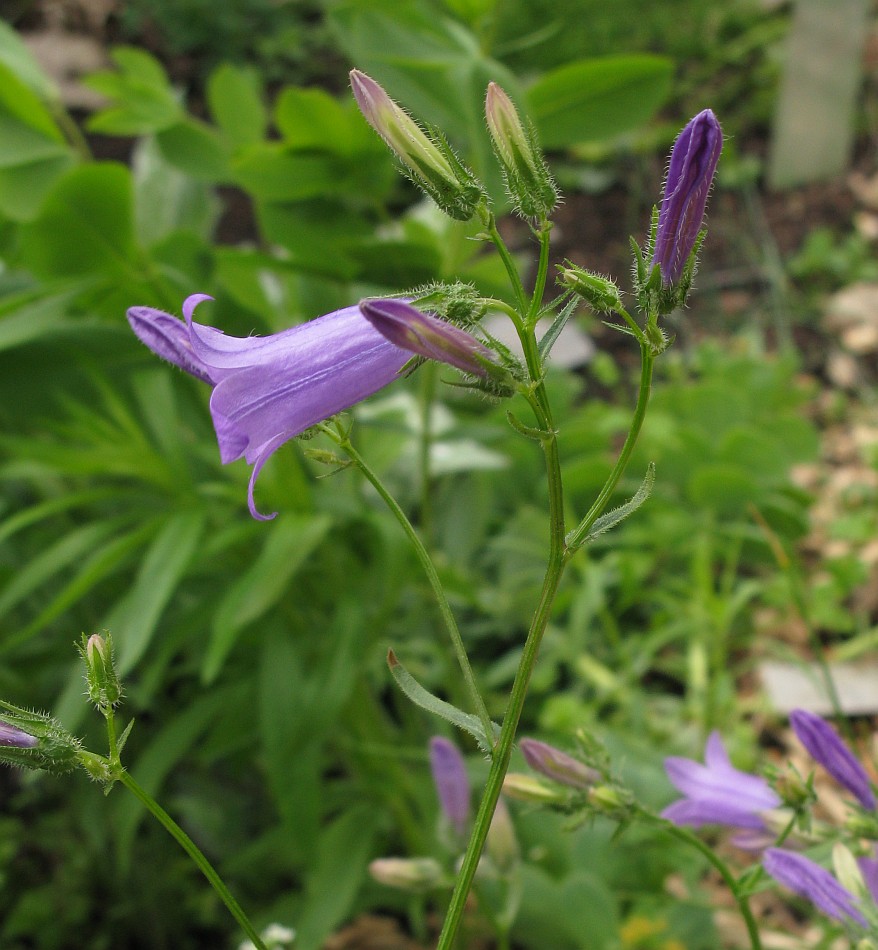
x=717, y=793
x=267, y=390
x=825, y=746
x=690, y=175
x=451, y=781
x=428, y=336
x=810, y=880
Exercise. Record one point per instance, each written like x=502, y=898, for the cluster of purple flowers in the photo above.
x=717, y=793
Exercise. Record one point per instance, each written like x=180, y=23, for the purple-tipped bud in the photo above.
x=429, y=162
x=690, y=175
x=805, y=877
x=528, y=181
x=451, y=781
x=557, y=765
x=16, y=738
x=419, y=333
x=825, y=747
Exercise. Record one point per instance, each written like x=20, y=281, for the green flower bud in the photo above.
x=502, y=844
x=600, y=293
x=36, y=741
x=527, y=178
x=528, y=788
x=101, y=678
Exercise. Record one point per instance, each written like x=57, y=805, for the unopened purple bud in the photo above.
x=17, y=738
x=810, y=880
x=690, y=174
x=451, y=781
x=424, y=335
x=825, y=746
x=557, y=765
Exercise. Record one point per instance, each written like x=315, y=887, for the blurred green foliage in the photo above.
x=253, y=655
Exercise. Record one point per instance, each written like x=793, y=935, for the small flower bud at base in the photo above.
x=408, y=874
x=102, y=681
x=600, y=293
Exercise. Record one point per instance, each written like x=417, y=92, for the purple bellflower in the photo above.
x=267, y=390
x=810, y=880
x=716, y=792
x=428, y=336
x=451, y=781
x=826, y=748
x=690, y=174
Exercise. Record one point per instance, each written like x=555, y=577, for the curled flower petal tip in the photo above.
x=267, y=390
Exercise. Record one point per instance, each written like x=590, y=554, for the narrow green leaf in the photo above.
x=336, y=878
x=439, y=707
x=558, y=324
x=134, y=619
x=287, y=547
x=612, y=518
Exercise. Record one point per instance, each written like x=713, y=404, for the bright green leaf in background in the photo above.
x=598, y=99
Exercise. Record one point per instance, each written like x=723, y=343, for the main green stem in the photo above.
x=432, y=577
x=189, y=846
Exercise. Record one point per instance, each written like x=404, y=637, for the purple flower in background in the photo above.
x=869, y=870
x=557, y=765
x=690, y=174
x=451, y=781
x=716, y=792
x=825, y=747
x=810, y=880
x=18, y=738
x=419, y=333
x=267, y=390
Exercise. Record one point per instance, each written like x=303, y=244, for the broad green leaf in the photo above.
x=337, y=875
x=234, y=94
x=22, y=144
x=312, y=119
x=85, y=225
x=598, y=99
x=15, y=56
x=18, y=101
x=287, y=547
x=196, y=149
x=144, y=101
x=270, y=173
x=438, y=707
x=24, y=187
x=134, y=620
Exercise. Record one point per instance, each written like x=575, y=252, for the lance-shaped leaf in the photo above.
x=612, y=518
x=439, y=707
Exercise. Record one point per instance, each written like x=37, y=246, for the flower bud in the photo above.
x=612, y=801
x=527, y=788
x=527, y=178
x=557, y=765
x=408, y=874
x=428, y=161
x=600, y=293
x=101, y=678
x=451, y=781
x=427, y=336
x=502, y=844
x=691, y=169
x=35, y=740
x=847, y=870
